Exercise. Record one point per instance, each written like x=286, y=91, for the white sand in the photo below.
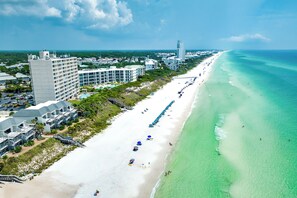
x=103, y=163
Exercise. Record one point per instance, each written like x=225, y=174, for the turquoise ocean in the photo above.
x=241, y=137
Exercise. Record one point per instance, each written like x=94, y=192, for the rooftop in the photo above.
x=44, y=104
x=150, y=61
x=5, y=76
x=41, y=109
x=20, y=75
x=112, y=68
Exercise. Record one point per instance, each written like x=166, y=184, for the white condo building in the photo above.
x=150, y=64
x=112, y=74
x=172, y=62
x=53, y=78
x=181, y=52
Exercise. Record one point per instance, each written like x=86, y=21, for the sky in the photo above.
x=147, y=24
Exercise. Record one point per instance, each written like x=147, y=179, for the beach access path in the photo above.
x=103, y=164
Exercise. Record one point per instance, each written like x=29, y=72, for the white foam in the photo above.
x=220, y=133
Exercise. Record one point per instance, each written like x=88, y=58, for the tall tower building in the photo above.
x=181, y=50
x=53, y=78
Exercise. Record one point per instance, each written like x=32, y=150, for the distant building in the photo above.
x=112, y=74
x=150, y=64
x=52, y=114
x=53, y=78
x=172, y=62
x=181, y=50
x=18, y=65
x=4, y=77
x=22, y=77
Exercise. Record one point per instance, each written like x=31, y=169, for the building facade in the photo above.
x=14, y=132
x=53, y=78
x=109, y=75
x=181, y=52
x=172, y=62
x=52, y=114
x=20, y=128
x=150, y=64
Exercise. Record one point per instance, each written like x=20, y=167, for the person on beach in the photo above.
x=96, y=193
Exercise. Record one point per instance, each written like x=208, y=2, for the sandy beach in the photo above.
x=103, y=163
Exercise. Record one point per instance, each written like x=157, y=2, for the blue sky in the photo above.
x=147, y=24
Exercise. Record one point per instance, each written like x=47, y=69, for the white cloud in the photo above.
x=247, y=37
x=38, y=8
x=90, y=14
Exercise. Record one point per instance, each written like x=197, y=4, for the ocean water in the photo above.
x=241, y=138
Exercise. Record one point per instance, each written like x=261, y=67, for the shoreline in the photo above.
x=185, y=116
x=107, y=154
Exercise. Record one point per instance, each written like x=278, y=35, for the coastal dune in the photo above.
x=103, y=164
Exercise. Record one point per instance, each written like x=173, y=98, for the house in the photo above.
x=172, y=62
x=150, y=64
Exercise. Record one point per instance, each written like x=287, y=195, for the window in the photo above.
x=7, y=131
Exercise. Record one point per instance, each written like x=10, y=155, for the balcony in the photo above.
x=27, y=133
x=66, y=114
x=4, y=146
x=15, y=139
x=51, y=122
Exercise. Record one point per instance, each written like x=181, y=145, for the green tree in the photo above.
x=18, y=149
x=39, y=129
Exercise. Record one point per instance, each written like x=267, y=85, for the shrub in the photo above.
x=62, y=127
x=18, y=149
x=29, y=143
x=4, y=157
x=54, y=131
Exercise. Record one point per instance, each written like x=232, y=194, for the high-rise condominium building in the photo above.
x=53, y=78
x=181, y=50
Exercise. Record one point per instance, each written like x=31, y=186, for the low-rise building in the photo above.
x=22, y=77
x=14, y=132
x=172, y=62
x=4, y=77
x=52, y=114
x=109, y=75
x=20, y=128
x=150, y=64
